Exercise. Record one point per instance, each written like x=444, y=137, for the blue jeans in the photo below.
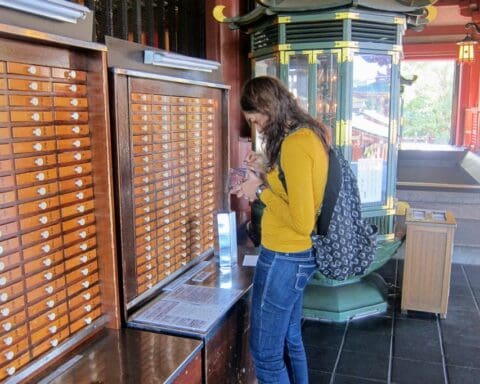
x=276, y=341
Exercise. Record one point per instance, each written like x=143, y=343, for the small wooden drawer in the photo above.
x=37, y=176
x=43, y=262
x=143, y=190
x=70, y=102
x=147, y=267
x=47, y=303
x=82, y=285
x=34, y=146
x=145, y=238
x=86, y=320
x=144, y=209
x=42, y=219
x=33, y=132
x=180, y=188
x=38, y=161
x=81, y=259
x=8, y=229
x=82, y=272
x=72, y=130
x=9, y=323
x=141, y=118
x=70, y=89
x=69, y=74
x=45, y=276
x=44, y=235
x=140, y=107
x=8, y=339
x=76, y=196
x=78, y=209
x=9, y=261
x=8, y=246
x=145, y=219
x=141, y=161
x=7, y=181
x=29, y=85
x=38, y=192
x=74, y=156
x=78, y=222
x=28, y=69
x=31, y=116
x=38, y=206
x=148, y=277
x=143, y=170
x=71, y=116
x=142, y=129
x=51, y=343
x=141, y=98
x=145, y=248
x=42, y=320
x=5, y=149
x=6, y=165
x=85, y=309
x=77, y=183
x=79, y=143
x=46, y=289
x=148, y=257
x=10, y=368
x=76, y=249
x=13, y=351
x=85, y=297
x=10, y=291
x=144, y=287
x=29, y=101
x=10, y=307
x=51, y=329
x=140, y=150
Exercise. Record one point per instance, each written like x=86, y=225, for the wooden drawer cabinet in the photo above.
x=56, y=198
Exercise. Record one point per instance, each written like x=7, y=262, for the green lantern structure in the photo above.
x=341, y=60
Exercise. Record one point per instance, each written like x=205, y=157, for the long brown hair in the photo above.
x=267, y=95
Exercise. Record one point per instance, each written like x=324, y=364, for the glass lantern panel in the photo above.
x=372, y=77
x=266, y=67
x=327, y=88
x=298, y=78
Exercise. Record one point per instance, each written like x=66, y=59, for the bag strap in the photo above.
x=332, y=190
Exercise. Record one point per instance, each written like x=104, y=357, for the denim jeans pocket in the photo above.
x=304, y=273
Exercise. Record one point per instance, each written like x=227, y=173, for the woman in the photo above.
x=286, y=263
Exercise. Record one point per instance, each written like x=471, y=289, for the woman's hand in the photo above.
x=248, y=188
x=256, y=162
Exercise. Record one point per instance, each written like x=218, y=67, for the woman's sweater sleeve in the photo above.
x=297, y=164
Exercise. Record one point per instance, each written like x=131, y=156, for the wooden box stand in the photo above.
x=428, y=257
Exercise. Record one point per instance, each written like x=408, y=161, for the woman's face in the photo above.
x=256, y=120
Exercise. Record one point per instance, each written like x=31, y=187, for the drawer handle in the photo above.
x=145, y=128
x=40, y=176
x=8, y=340
x=75, y=116
x=77, y=156
x=39, y=162
x=167, y=247
x=88, y=308
x=42, y=191
x=145, y=189
x=32, y=70
x=33, y=85
x=167, y=273
x=4, y=297
x=83, y=246
x=37, y=146
x=2, y=265
x=46, y=248
x=88, y=320
x=148, y=228
x=149, y=266
x=167, y=264
x=1, y=250
x=71, y=74
x=167, y=256
x=81, y=221
x=146, y=179
x=79, y=183
x=167, y=238
x=9, y=355
x=74, y=102
x=149, y=276
x=49, y=289
x=167, y=230
x=86, y=284
x=82, y=234
x=145, y=149
x=73, y=88
x=77, y=143
x=35, y=116
x=87, y=296
x=48, y=275
x=84, y=271
x=51, y=316
x=43, y=205
x=81, y=208
x=146, y=169
x=5, y=311
x=76, y=129
x=148, y=257
x=166, y=221
x=145, y=139
x=54, y=342
x=47, y=262
x=148, y=248
x=53, y=329
x=149, y=285
x=145, y=159
x=148, y=238
x=146, y=209
x=84, y=258
x=145, y=118
x=37, y=132
x=78, y=169
x=146, y=219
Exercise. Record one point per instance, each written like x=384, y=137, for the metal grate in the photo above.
x=267, y=37
x=383, y=223
x=316, y=32
x=374, y=32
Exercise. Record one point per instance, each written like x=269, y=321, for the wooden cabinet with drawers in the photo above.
x=57, y=278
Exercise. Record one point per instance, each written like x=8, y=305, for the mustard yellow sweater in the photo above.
x=288, y=219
